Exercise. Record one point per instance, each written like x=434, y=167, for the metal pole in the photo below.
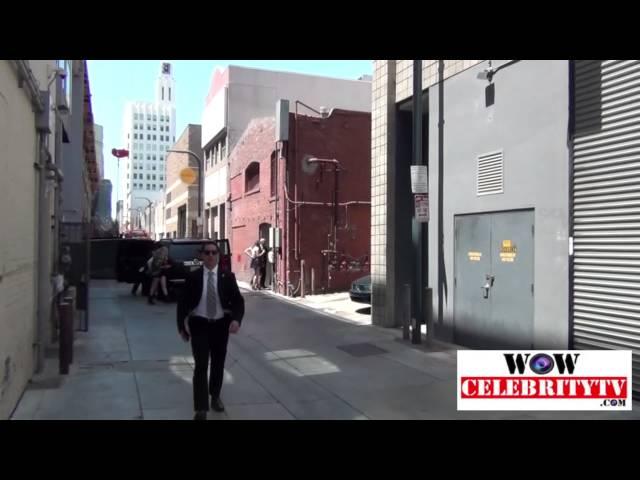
x=406, y=314
x=66, y=336
x=417, y=226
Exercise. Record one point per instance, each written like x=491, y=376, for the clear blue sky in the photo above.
x=113, y=83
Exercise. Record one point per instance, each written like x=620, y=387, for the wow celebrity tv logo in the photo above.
x=541, y=380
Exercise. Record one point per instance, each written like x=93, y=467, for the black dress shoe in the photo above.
x=217, y=405
x=200, y=415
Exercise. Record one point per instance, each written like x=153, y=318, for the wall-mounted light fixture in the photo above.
x=487, y=73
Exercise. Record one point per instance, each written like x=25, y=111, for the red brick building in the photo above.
x=315, y=187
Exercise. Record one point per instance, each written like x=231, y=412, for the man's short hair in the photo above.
x=209, y=242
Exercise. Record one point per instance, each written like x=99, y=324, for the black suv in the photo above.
x=132, y=254
x=184, y=255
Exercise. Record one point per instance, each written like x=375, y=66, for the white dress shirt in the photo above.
x=201, y=309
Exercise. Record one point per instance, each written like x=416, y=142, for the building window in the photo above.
x=169, y=93
x=168, y=209
x=148, y=187
x=161, y=177
x=154, y=137
x=153, y=177
x=252, y=177
x=169, y=197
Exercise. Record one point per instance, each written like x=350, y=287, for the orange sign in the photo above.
x=188, y=175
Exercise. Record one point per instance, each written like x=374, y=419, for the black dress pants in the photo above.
x=208, y=342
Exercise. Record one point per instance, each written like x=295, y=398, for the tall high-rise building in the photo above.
x=148, y=132
x=99, y=139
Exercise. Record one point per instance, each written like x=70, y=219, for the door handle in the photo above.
x=487, y=286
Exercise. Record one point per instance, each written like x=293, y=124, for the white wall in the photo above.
x=214, y=117
x=216, y=185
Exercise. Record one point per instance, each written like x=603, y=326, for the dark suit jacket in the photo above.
x=228, y=291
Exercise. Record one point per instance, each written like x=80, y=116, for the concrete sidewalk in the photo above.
x=335, y=305
x=287, y=362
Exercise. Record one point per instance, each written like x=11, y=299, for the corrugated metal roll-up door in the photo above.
x=606, y=208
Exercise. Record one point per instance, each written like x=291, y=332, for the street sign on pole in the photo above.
x=188, y=175
x=422, y=207
x=419, y=179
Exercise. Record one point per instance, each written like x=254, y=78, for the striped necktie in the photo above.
x=211, y=297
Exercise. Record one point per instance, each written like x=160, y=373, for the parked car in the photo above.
x=184, y=255
x=361, y=290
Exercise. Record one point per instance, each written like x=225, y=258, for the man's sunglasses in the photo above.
x=210, y=252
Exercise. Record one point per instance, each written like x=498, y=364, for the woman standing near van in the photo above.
x=159, y=264
x=253, y=252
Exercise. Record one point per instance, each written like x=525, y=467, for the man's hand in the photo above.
x=234, y=327
x=185, y=334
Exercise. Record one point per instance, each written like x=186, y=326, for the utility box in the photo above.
x=282, y=120
x=274, y=237
x=43, y=118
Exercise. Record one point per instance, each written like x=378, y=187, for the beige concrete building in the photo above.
x=28, y=128
x=181, y=200
x=392, y=85
x=46, y=135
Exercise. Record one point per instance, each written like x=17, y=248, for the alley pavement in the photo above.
x=287, y=362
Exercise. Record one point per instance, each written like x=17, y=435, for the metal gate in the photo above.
x=606, y=207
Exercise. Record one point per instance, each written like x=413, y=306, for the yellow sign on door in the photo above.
x=188, y=175
x=474, y=256
x=508, y=251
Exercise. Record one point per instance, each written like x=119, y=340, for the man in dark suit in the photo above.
x=210, y=307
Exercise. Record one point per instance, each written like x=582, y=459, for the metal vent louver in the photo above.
x=490, y=174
